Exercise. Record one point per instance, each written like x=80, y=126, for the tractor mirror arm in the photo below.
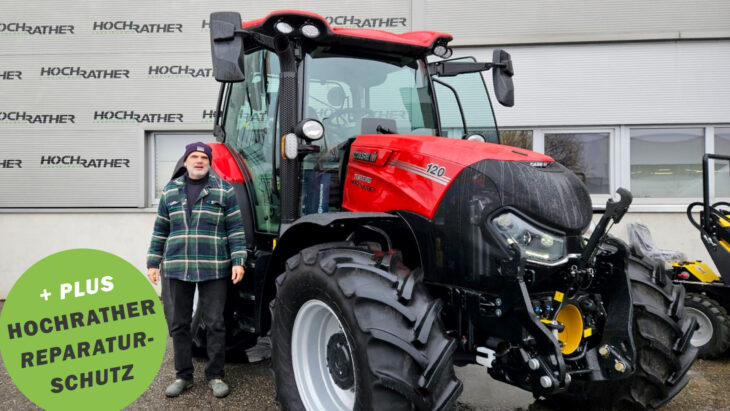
x=453, y=68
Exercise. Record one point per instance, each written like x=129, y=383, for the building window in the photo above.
x=516, y=138
x=666, y=162
x=722, y=168
x=586, y=154
x=167, y=149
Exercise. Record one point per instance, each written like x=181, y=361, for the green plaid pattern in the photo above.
x=203, y=246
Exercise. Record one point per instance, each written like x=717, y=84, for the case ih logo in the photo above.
x=76, y=161
x=374, y=22
x=22, y=117
x=124, y=116
x=132, y=27
x=11, y=75
x=21, y=29
x=365, y=156
x=82, y=73
x=178, y=71
x=13, y=163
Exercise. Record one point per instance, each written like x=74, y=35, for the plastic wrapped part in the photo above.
x=640, y=239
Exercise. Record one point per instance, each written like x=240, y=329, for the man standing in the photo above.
x=198, y=240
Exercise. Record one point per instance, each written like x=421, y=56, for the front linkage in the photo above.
x=583, y=340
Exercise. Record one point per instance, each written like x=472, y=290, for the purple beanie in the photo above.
x=202, y=147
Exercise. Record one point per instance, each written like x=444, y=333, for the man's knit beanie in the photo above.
x=202, y=147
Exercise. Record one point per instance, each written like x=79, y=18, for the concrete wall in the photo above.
x=29, y=237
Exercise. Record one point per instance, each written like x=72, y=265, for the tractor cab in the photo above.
x=292, y=72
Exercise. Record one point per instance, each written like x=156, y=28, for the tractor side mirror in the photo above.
x=226, y=46
x=502, y=73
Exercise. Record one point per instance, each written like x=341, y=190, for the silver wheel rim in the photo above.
x=703, y=334
x=314, y=325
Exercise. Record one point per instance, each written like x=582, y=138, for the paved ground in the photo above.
x=252, y=388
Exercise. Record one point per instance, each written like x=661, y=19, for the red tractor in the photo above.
x=391, y=237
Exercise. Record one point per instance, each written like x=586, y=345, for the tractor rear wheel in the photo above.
x=712, y=336
x=356, y=330
x=661, y=332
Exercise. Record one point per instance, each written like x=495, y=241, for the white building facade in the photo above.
x=97, y=100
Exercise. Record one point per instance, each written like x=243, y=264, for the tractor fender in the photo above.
x=389, y=230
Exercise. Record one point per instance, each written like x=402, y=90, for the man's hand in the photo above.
x=237, y=274
x=154, y=275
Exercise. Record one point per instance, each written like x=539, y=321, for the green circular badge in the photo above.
x=82, y=327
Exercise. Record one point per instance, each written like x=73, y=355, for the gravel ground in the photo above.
x=252, y=388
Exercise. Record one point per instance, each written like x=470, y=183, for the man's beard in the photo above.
x=195, y=174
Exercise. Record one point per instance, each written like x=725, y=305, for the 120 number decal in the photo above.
x=435, y=169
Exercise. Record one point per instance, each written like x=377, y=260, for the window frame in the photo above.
x=620, y=161
x=151, y=199
x=538, y=146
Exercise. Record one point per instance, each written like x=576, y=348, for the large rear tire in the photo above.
x=661, y=331
x=352, y=330
x=712, y=337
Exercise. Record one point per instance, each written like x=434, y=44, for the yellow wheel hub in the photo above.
x=572, y=320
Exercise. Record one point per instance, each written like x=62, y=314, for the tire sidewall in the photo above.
x=295, y=292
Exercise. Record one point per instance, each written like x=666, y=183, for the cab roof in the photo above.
x=414, y=43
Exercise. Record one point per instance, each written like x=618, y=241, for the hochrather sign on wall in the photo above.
x=103, y=172
x=83, y=86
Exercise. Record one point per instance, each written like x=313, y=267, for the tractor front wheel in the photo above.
x=356, y=330
x=712, y=337
x=661, y=331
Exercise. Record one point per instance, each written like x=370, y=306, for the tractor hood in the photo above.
x=422, y=174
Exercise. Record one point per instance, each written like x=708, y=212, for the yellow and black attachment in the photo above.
x=564, y=317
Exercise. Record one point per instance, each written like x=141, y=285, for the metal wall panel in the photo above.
x=617, y=84
x=53, y=169
x=157, y=26
x=91, y=78
x=479, y=22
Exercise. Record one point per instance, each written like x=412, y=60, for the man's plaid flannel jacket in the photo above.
x=204, y=245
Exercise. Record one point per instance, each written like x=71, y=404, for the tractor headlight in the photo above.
x=283, y=27
x=310, y=31
x=309, y=129
x=536, y=244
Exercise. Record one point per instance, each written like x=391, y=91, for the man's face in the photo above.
x=197, y=164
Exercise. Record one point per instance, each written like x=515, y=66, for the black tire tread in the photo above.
x=660, y=332
x=396, y=319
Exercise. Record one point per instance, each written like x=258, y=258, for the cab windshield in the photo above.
x=353, y=96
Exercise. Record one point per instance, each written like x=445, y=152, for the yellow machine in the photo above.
x=708, y=293
x=707, y=296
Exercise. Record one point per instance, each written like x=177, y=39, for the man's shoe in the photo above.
x=220, y=389
x=177, y=387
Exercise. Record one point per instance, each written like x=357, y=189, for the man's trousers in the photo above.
x=212, y=298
